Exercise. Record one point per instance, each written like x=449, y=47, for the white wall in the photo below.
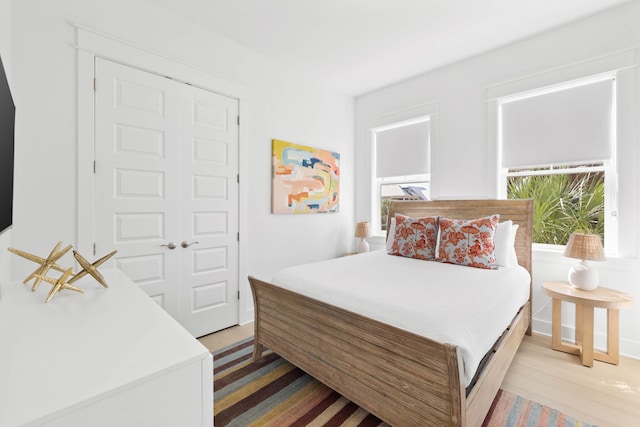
x=5, y=52
x=282, y=104
x=463, y=157
x=5, y=35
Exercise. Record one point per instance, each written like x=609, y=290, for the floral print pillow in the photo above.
x=415, y=237
x=468, y=242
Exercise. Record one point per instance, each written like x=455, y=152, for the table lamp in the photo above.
x=363, y=231
x=585, y=247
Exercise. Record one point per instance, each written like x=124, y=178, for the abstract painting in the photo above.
x=305, y=179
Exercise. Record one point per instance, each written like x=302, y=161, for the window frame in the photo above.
x=611, y=222
x=377, y=183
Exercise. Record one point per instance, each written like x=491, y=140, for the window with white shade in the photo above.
x=557, y=146
x=401, y=166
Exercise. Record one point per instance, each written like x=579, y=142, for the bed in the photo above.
x=401, y=376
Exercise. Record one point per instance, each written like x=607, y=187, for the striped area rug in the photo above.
x=273, y=392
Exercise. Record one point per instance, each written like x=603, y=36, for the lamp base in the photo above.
x=363, y=246
x=582, y=276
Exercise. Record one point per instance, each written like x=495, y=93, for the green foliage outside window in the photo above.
x=385, y=202
x=563, y=203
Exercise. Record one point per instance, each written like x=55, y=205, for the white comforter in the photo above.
x=464, y=306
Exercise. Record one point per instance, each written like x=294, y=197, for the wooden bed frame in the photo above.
x=402, y=378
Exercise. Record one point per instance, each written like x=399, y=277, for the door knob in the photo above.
x=186, y=244
x=170, y=245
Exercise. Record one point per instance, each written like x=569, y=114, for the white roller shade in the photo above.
x=403, y=150
x=567, y=126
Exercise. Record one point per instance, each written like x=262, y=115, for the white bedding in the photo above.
x=464, y=306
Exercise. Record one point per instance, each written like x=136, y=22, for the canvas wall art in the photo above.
x=305, y=179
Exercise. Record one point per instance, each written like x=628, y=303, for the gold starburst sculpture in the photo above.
x=92, y=269
x=45, y=263
x=59, y=284
x=68, y=277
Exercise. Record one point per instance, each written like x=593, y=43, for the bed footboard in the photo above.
x=402, y=378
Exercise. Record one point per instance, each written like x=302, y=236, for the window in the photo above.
x=401, y=166
x=557, y=146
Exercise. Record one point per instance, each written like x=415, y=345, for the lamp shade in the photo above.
x=585, y=247
x=363, y=230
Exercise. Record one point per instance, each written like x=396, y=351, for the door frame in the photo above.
x=90, y=44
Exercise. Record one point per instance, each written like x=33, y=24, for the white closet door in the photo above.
x=166, y=167
x=209, y=201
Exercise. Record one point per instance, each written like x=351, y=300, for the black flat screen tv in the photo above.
x=7, y=123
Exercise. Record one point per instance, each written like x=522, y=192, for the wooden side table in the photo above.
x=585, y=302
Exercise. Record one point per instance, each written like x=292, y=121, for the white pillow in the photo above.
x=391, y=235
x=513, y=257
x=504, y=239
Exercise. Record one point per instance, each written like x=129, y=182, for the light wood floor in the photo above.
x=605, y=395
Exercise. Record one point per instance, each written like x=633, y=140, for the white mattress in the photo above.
x=464, y=306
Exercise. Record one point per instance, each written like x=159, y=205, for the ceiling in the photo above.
x=358, y=46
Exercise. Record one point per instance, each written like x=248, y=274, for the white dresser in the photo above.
x=108, y=357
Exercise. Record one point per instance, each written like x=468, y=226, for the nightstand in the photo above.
x=585, y=302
